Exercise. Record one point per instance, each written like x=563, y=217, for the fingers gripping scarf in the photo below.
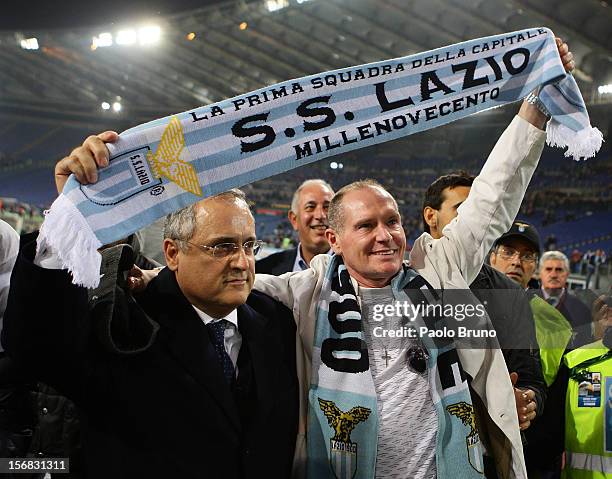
x=342, y=407
x=166, y=164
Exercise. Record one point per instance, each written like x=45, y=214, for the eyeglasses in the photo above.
x=223, y=250
x=509, y=253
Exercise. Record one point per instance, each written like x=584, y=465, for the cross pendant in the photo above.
x=386, y=357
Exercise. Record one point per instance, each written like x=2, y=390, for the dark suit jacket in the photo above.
x=277, y=263
x=508, y=308
x=163, y=410
x=579, y=316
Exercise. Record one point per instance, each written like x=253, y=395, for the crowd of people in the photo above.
x=555, y=195
x=328, y=359
x=19, y=208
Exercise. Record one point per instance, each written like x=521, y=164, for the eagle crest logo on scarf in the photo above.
x=166, y=160
x=465, y=412
x=343, y=452
x=145, y=169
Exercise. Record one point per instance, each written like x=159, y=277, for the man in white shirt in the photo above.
x=366, y=230
x=308, y=216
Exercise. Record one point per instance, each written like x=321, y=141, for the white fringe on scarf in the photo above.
x=580, y=145
x=69, y=236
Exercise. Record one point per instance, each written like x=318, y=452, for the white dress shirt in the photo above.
x=300, y=263
x=557, y=297
x=232, y=339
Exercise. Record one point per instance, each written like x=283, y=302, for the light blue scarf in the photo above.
x=342, y=407
x=166, y=164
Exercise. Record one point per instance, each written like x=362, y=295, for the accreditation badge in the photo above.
x=608, y=415
x=589, y=390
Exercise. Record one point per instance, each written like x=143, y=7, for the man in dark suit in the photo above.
x=506, y=304
x=195, y=377
x=554, y=270
x=308, y=216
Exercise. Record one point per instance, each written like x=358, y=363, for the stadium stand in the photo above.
x=73, y=84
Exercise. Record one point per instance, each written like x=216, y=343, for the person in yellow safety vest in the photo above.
x=553, y=332
x=588, y=410
x=545, y=444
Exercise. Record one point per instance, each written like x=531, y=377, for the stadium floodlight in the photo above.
x=191, y=36
x=333, y=165
x=117, y=107
x=105, y=105
x=126, y=37
x=243, y=26
x=603, y=89
x=340, y=166
x=29, y=44
x=104, y=39
x=274, y=5
x=149, y=35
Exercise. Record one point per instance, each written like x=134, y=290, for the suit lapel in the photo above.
x=287, y=261
x=252, y=326
x=292, y=258
x=188, y=341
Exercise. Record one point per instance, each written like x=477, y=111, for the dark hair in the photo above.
x=434, y=196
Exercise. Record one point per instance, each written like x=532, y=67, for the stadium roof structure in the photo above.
x=239, y=46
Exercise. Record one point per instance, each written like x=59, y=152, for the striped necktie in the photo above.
x=217, y=330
